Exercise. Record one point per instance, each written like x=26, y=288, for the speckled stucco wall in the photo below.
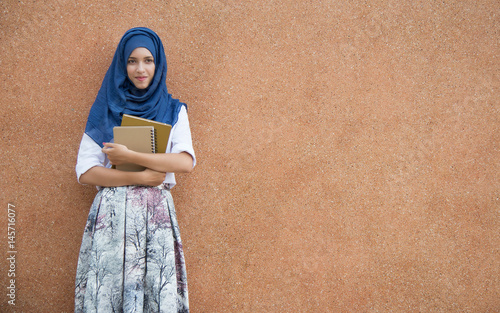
x=348, y=150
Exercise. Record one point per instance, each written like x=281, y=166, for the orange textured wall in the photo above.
x=348, y=150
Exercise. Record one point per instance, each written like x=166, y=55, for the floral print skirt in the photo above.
x=131, y=257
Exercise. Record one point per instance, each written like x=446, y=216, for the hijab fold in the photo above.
x=119, y=96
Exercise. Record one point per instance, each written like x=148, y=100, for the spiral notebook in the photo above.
x=137, y=138
x=162, y=130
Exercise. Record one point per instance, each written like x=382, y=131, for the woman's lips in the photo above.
x=141, y=78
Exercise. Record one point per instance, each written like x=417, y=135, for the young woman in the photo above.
x=131, y=257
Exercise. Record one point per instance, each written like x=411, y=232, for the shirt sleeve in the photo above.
x=89, y=155
x=180, y=139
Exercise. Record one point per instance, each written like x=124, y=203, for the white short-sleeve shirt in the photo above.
x=90, y=154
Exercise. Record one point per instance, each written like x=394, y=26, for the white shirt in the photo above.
x=90, y=154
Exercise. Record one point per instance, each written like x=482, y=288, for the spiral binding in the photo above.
x=153, y=140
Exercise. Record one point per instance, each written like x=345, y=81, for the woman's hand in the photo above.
x=117, y=154
x=152, y=178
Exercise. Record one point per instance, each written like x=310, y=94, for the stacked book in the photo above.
x=141, y=135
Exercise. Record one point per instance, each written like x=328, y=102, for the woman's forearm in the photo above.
x=107, y=177
x=163, y=162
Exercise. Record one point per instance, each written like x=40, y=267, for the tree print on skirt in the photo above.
x=131, y=257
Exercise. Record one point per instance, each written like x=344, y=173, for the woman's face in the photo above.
x=141, y=67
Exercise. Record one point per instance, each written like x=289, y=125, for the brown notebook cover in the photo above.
x=137, y=138
x=162, y=130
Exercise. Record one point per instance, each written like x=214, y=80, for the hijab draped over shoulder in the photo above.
x=119, y=96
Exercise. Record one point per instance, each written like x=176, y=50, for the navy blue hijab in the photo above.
x=119, y=96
